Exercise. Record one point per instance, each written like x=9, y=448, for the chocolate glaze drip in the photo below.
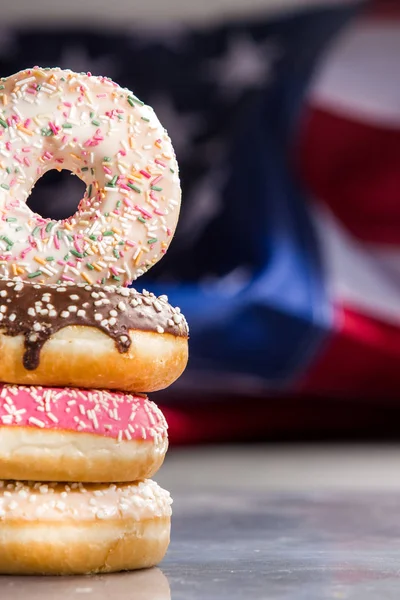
x=38, y=311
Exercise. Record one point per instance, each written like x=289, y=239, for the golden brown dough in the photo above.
x=85, y=357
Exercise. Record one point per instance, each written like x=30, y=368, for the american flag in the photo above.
x=286, y=261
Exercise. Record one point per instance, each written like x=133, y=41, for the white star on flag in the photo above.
x=77, y=59
x=205, y=204
x=246, y=64
x=170, y=35
x=182, y=127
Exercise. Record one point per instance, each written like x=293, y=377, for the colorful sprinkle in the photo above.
x=134, y=188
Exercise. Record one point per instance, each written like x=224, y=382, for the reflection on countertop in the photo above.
x=150, y=584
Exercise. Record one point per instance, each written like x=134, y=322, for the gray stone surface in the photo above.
x=311, y=546
x=235, y=538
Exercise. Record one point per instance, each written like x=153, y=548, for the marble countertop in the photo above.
x=264, y=523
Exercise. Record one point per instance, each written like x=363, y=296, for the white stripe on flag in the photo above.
x=365, y=276
x=359, y=75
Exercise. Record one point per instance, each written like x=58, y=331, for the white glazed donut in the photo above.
x=66, y=529
x=57, y=119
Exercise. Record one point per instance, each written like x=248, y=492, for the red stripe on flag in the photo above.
x=287, y=417
x=361, y=360
x=383, y=9
x=353, y=167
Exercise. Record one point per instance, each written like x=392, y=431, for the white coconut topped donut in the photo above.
x=58, y=119
x=65, y=529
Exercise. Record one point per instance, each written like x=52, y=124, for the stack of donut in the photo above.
x=79, y=439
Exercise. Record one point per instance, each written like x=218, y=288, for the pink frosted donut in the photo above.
x=56, y=119
x=62, y=434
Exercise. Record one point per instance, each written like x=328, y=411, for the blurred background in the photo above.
x=285, y=117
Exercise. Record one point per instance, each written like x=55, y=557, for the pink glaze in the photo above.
x=112, y=414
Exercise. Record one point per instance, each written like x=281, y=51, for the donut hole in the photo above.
x=56, y=195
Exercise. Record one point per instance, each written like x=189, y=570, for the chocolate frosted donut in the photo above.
x=89, y=336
